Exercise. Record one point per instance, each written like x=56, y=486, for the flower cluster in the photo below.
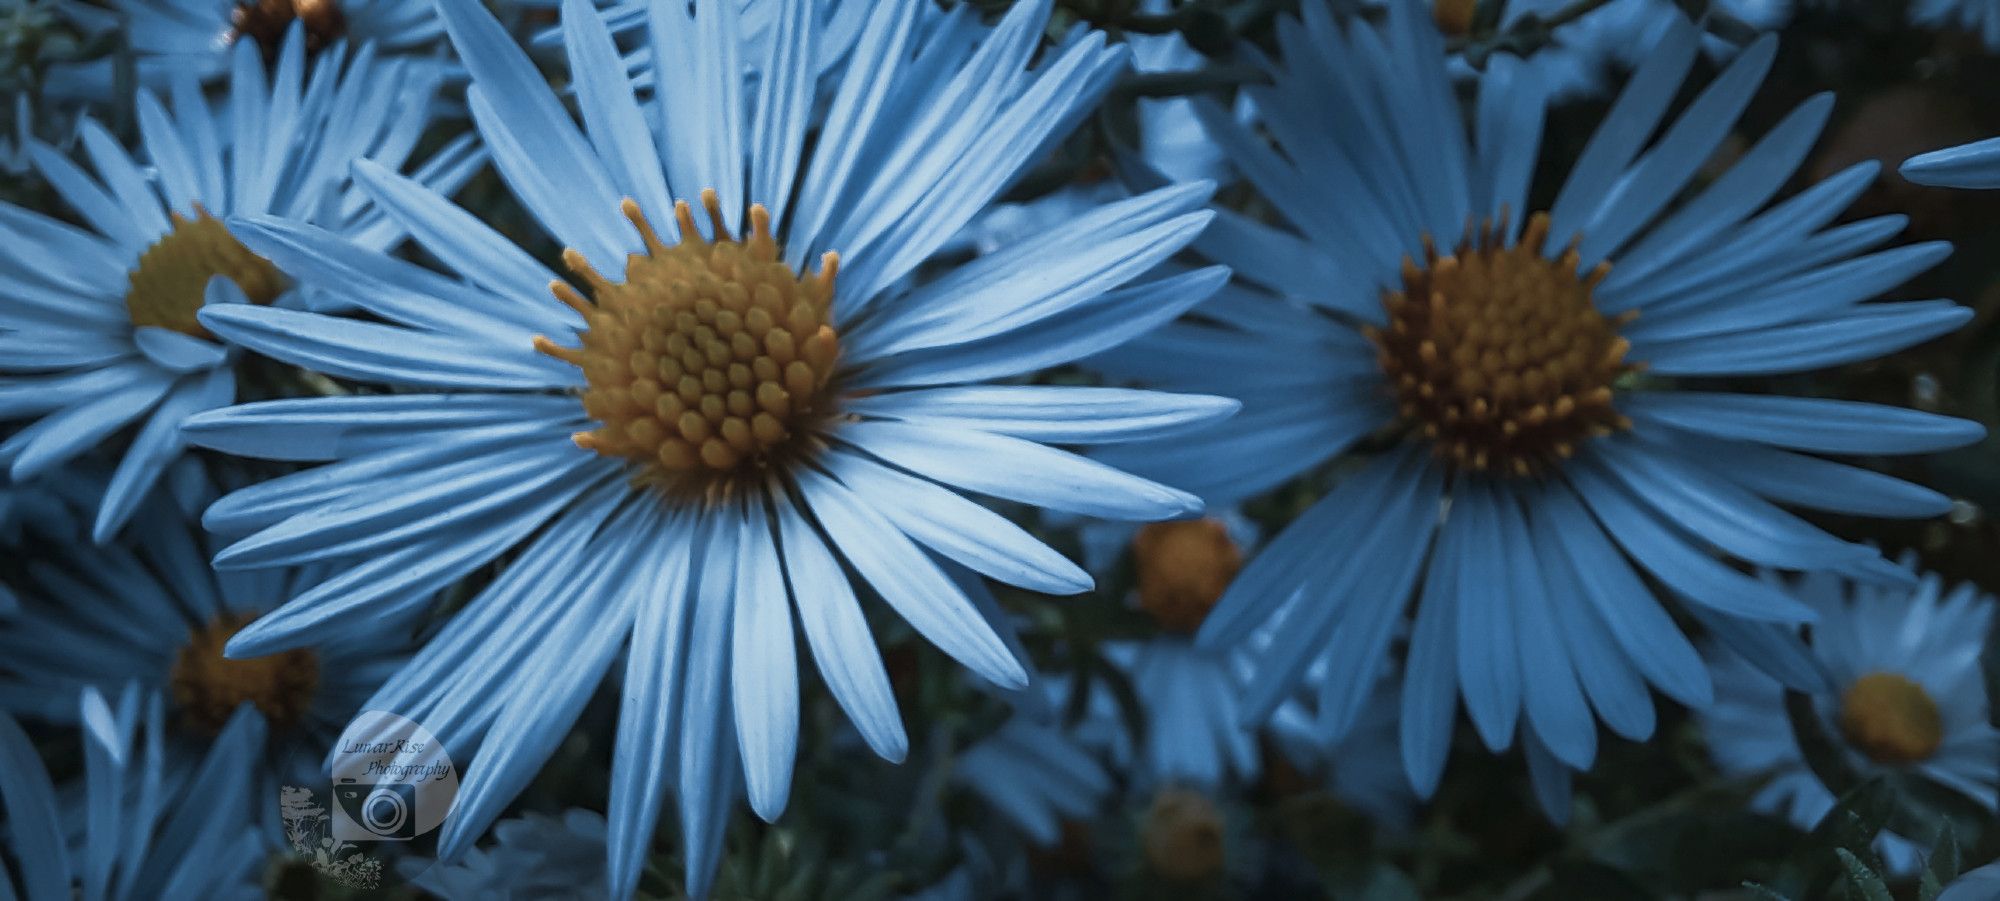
x=900, y=448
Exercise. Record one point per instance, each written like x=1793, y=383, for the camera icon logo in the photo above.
x=386, y=811
x=392, y=780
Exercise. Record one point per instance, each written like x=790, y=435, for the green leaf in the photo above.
x=1943, y=865
x=1856, y=818
x=1765, y=894
x=1863, y=882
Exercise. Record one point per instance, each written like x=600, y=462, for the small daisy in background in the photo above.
x=1036, y=775
x=100, y=344
x=1536, y=384
x=1193, y=732
x=36, y=35
x=1979, y=18
x=535, y=855
x=144, y=826
x=691, y=442
x=206, y=39
x=152, y=613
x=1905, y=696
x=1587, y=55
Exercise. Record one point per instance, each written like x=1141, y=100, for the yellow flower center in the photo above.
x=1890, y=718
x=1454, y=17
x=266, y=21
x=1498, y=357
x=1184, y=835
x=208, y=687
x=168, y=285
x=710, y=363
x=1183, y=568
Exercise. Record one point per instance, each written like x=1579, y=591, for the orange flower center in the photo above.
x=171, y=281
x=266, y=21
x=208, y=687
x=1184, y=835
x=1890, y=718
x=1497, y=355
x=1184, y=566
x=710, y=363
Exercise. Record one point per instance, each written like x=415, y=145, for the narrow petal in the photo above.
x=764, y=680
x=1803, y=423
x=1052, y=414
x=59, y=437
x=1018, y=470
x=939, y=518
x=383, y=354
x=911, y=584
x=1678, y=559
x=1975, y=165
x=643, y=750
x=842, y=645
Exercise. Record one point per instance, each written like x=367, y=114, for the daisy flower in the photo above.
x=690, y=442
x=1529, y=376
x=173, y=39
x=139, y=835
x=98, y=327
x=1906, y=696
x=1184, y=838
x=1171, y=138
x=1980, y=17
x=153, y=613
x=33, y=35
x=1189, y=695
x=1035, y=775
x=530, y=856
x=1582, y=55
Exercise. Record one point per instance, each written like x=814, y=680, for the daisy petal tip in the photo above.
x=769, y=803
x=1008, y=674
x=1075, y=582
x=895, y=750
x=105, y=529
x=232, y=557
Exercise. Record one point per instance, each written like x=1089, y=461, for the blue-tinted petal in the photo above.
x=958, y=528
x=911, y=584
x=1050, y=413
x=842, y=645
x=1975, y=165
x=1802, y=423
x=1018, y=470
